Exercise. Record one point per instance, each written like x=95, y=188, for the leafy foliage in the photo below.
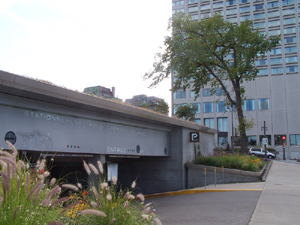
x=212, y=52
x=186, y=112
x=162, y=107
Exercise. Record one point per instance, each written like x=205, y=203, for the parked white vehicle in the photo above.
x=260, y=152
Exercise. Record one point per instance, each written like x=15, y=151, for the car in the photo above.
x=260, y=152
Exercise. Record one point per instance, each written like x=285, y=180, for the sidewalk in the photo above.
x=279, y=202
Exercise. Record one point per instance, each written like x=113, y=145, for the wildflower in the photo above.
x=133, y=184
x=93, y=212
x=100, y=166
x=70, y=186
x=108, y=197
x=114, y=180
x=141, y=197
x=94, y=169
x=87, y=169
x=104, y=185
x=42, y=164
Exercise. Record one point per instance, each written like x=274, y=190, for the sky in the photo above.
x=77, y=44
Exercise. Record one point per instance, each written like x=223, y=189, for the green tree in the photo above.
x=162, y=107
x=186, y=112
x=200, y=50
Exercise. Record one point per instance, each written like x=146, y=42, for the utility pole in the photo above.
x=265, y=145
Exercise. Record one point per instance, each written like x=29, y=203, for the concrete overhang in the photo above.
x=20, y=86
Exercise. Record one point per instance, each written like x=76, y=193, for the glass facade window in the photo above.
x=261, y=139
x=295, y=139
x=276, y=61
x=274, y=32
x=230, y=11
x=290, y=40
x=259, y=25
x=206, y=15
x=249, y=105
x=291, y=59
x=192, y=1
x=276, y=70
x=222, y=125
x=180, y=3
x=289, y=30
x=278, y=139
x=192, y=94
x=273, y=4
x=243, y=18
x=177, y=10
x=222, y=141
x=244, y=1
x=288, y=11
x=232, y=20
x=251, y=140
x=275, y=51
x=290, y=49
x=195, y=17
x=261, y=62
x=287, y=2
x=230, y=2
x=263, y=103
x=273, y=14
x=258, y=7
x=209, y=122
x=245, y=9
x=208, y=107
x=221, y=106
x=259, y=16
x=289, y=21
x=179, y=94
x=197, y=106
x=193, y=9
x=198, y=121
x=274, y=23
x=206, y=92
x=205, y=7
x=262, y=72
x=218, y=5
x=220, y=92
x=290, y=69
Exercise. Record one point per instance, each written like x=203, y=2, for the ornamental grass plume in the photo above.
x=94, y=169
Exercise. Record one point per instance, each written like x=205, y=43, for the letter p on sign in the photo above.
x=194, y=137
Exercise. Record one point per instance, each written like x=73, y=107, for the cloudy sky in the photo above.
x=77, y=44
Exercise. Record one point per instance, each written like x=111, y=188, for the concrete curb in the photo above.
x=266, y=171
x=194, y=191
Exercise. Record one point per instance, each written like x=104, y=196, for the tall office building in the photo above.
x=274, y=96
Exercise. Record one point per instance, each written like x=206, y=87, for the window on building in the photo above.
x=278, y=139
x=192, y=1
x=273, y=14
x=259, y=16
x=263, y=72
x=197, y=106
x=291, y=49
x=244, y=1
x=290, y=40
x=208, y=107
x=263, y=103
x=261, y=139
x=259, y=25
x=175, y=106
x=249, y=104
x=179, y=94
x=245, y=9
x=258, y=7
x=206, y=92
x=288, y=11
x=274, y=23
x=251, y=140
x=230, y=2
x=289, y=21
x=276, y=70
x=243, y=18
x=222, y=125
x=294, y=139
x=192, y=94
x=273, y=4
x=232, y=20
x=287, y=2
x=193, y=9
x=179, y=3
x=218, y=5
x=177, y=10
x=289, y=30
x=222, y=141
x=221, y=106
x=205, y=7
x=205, y=15
x=194, y=17
x=291, y=59
x=230, y=11
x=275, y=51
x=220, y=92
x=276, y=61
x=261, y=62
x=209, y=122
x=290, y=69
x=274, y=32
x=198, y=121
